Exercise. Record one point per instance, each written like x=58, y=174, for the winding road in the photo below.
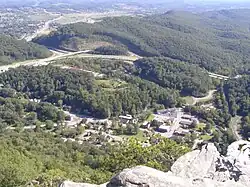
x=59, y=54
x=234, y=125
x=209, y=96
x=40, y=62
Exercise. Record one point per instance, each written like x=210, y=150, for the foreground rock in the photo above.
x=199, y=168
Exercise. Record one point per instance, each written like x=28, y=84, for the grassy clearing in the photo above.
x=206, y=137
x=140, y=136
x=200, y=126
x=111, y=84
x=150, y=117
x=213, y=129
x=189, y=100
x=207, y=98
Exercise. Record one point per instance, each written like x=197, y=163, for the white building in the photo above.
x=164, y=128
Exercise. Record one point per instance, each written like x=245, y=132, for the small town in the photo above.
x=124, y=93
x=170, y=123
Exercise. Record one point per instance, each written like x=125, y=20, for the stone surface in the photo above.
x=142, y=176
x=199, y=168
x=238, y=153
x=73, y=184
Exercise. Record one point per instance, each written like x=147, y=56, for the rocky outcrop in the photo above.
x=199, y=168
x=73, y=184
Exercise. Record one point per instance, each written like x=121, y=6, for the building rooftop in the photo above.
x=164, y=127
x=128, y=117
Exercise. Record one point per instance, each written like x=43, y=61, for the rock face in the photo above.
x=73, y=184
x=199, y=168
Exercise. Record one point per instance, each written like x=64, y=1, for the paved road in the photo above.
x=218, y=76
x=128, y=59
x=40, y=62
x=235, y=121
x=57, y=54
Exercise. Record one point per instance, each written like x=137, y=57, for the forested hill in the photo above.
x=12, y=50
x=218, y=41
x=237, y=94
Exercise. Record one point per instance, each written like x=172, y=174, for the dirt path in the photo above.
x=208, y=97
x=95, y=74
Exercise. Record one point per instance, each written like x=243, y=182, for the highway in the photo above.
x=217, y=76
x=59, y=54
x=40, y=62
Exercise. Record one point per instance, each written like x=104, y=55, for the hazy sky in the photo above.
x=216, y=1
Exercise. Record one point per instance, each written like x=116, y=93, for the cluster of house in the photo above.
x=98, y=130
x=127, y=119
x=172, y=121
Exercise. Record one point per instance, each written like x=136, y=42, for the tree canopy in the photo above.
x=12, y=50
x=217, y=41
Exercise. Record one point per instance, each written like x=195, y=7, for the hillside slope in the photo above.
x=198, y=168
x=12, y=50
x=218, y=41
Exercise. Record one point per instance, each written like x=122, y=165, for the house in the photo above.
x=187, y=117
x=127, y=119
x=181, y=132
x=145, y=125
x=171, y=112
x=164, y=128
x=186, y=123
x=157, y=122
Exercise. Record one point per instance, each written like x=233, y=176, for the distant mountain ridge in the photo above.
x=218, y=41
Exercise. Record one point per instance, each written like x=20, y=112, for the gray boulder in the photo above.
x=142, y=176
x=73, y=184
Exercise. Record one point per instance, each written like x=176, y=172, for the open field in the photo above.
x=140, y=136
x=206, y=137
x=150, y=117
x=111, y=84
x=200, y=126
x=189, y=100
x=88, y=17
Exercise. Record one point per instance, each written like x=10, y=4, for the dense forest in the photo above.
x=218, y=41
x=177, y=49
x=87, y=95
x=237, y=96
x=188, y=79
x=44, y=159
x=16, y=111
x=217, y=125
x=12, y=50
x=111, y=50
